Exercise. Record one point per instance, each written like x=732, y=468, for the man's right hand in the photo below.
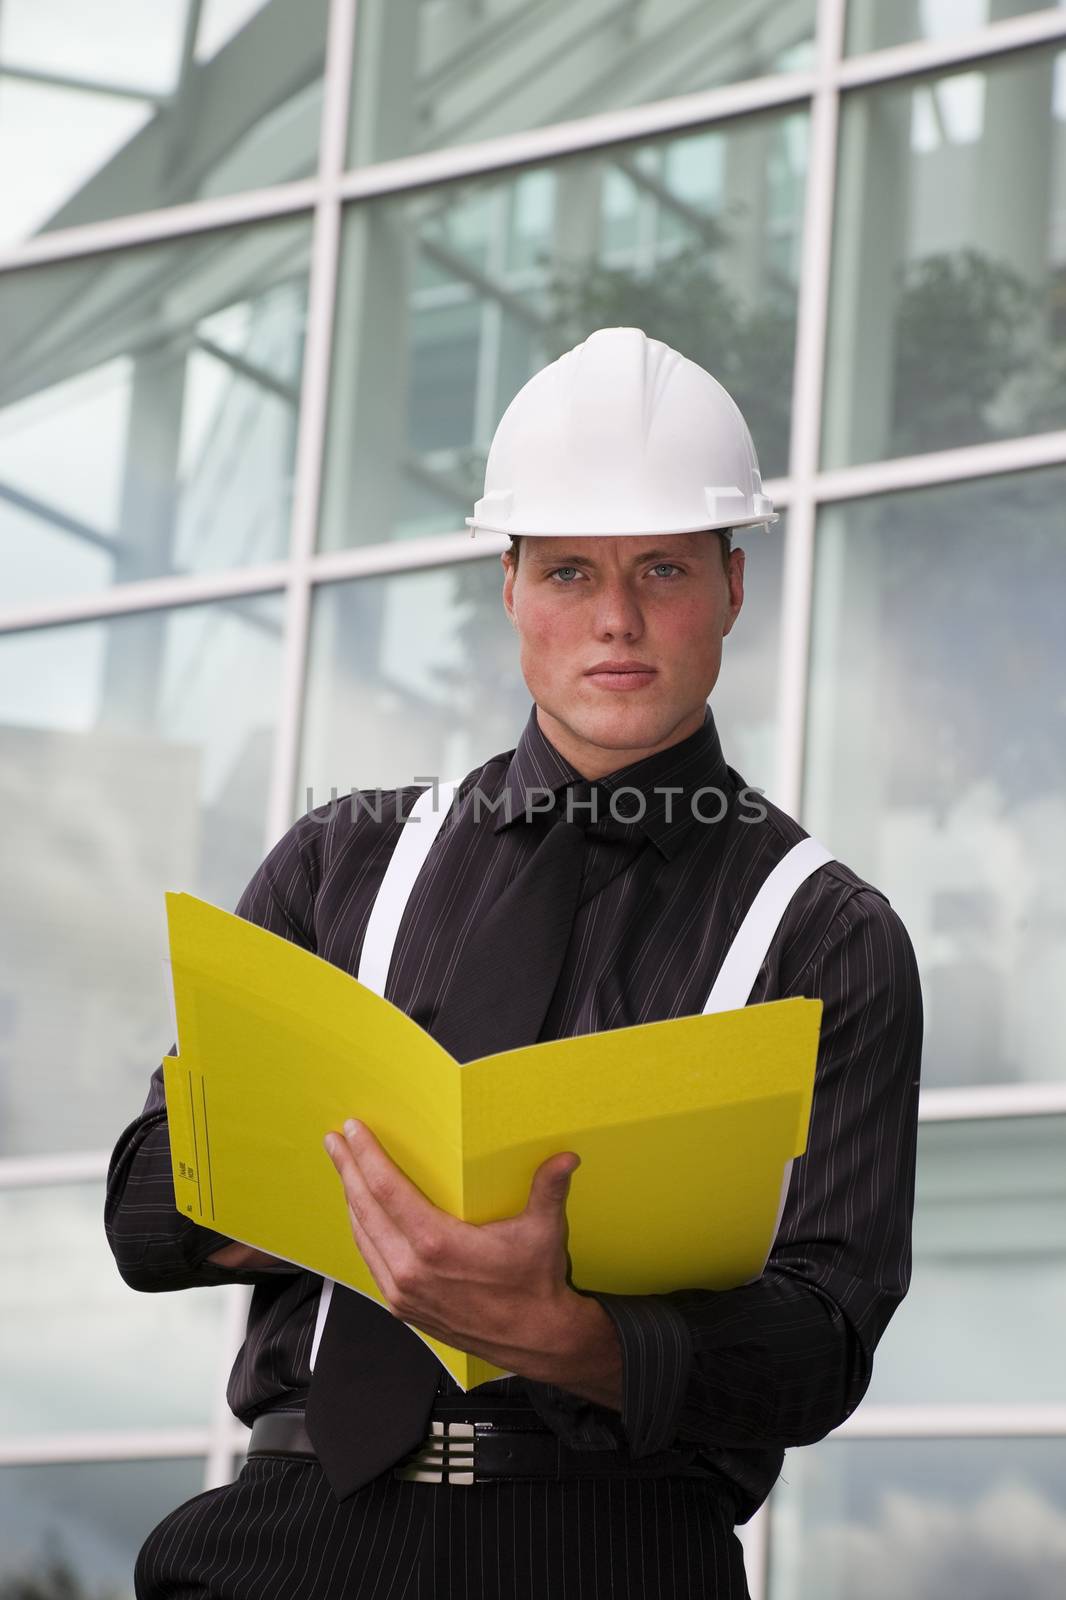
x=242, y=1258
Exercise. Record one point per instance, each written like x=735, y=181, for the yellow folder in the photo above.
x=684, y=1128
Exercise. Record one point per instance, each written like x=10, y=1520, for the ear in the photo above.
x=735, y=579
x=509, y=576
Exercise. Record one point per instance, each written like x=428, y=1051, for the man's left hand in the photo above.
x=498, y=1290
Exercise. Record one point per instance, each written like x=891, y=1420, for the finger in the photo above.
x=375, y=1261
x=551, y=1185
x=388, y=1240
x=391, y=1188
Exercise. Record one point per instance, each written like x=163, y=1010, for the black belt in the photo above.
x=474, y=1452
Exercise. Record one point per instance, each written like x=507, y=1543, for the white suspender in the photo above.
x=404, y=865
x=732, y=987
x=752, y=940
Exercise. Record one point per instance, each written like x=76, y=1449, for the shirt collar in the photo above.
x=694, y=763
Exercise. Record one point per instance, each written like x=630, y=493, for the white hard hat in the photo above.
x=621, y=435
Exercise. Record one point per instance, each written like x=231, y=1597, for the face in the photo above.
x=621, y=639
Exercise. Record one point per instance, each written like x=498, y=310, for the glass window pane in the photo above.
x=411, y=674
x=984, y=1318
x=937, y=751
x=450, y=299
x=124, y=1360
x=947, y=324
x=72, y=1532
x=134, y=758
x=744, y=700
x=454, y=72
x=875, y=25
x=418, y=673
x=931, y=1519
x=109, y=107
x=166, y=383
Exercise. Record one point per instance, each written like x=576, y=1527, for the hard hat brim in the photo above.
x=618, y=533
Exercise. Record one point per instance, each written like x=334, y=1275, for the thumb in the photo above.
x=551, y=1183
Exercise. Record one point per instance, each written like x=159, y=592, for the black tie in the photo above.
x=375, y=1381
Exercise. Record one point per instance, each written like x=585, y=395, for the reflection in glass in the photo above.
x=110, y=107
x=419, y=673
x=937, y=752
x=72, y=1532
x=947, y=321
x=450, y=299
x=104, y=1367
x=452, y=73
x=134, y=758
x=744, y=700
x=411, y=674
x=984, y=1318
x=148, y=408
x=937, y=1519
x=873, y=25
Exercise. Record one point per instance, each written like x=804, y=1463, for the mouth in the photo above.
x=625, y=675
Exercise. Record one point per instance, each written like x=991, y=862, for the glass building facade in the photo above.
x=270, y=270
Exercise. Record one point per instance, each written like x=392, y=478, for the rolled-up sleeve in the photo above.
x=784, y=1360
x=155, y=1246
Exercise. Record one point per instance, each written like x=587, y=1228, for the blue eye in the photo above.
x=667, y=568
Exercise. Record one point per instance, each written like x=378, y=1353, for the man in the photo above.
x=639, y=1428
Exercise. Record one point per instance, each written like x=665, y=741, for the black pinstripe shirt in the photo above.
x=743, y=1373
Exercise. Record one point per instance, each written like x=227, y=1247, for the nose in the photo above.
x=618, y=613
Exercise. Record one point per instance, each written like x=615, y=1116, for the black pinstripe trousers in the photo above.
x=278, y=1533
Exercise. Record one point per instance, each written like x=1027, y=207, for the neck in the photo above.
x=593, y=760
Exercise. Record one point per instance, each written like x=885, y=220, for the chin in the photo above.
x=622, y=725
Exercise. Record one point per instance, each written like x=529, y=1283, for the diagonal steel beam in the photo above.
x=60, y=520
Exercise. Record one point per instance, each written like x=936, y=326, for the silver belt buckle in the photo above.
x=446, y=1456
